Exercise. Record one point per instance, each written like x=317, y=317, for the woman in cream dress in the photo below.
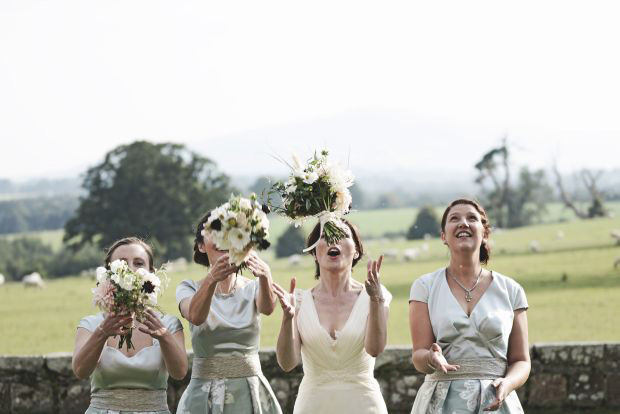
x=468, y=325
x=223, y=310
x=129, y=380
x=336, y=329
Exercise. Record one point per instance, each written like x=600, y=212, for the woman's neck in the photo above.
x=226, y=285
x=464, y=267
x=335, y=282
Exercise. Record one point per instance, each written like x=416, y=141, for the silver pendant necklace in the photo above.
x=468, y=296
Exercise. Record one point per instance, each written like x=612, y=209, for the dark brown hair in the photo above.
x=485, y=249
x=127, y=241
x=314, y=236
x=200, y=257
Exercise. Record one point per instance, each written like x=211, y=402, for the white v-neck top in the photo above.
x=483, y=334
x=338, y=373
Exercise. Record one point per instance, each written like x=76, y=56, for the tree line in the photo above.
x=159, y=191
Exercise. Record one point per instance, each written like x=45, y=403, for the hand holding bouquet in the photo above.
x=238, y=226
x=123, y=291
x=319, y=189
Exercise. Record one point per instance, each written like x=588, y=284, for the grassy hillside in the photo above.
x=571, y=284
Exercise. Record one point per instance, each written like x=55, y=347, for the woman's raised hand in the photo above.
x=287, y=299
x=115, y=324
x=222, y=269
x=372, y=284
x=152, y=325
x=257, y=266
x=437, y=361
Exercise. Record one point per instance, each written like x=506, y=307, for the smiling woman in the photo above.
x=468, y=324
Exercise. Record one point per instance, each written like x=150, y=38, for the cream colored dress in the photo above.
x=338, y=373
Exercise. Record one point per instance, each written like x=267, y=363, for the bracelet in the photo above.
x=379, y=299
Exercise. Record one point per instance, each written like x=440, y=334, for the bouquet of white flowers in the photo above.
x=319, y=189
x=238, y=226
x=121, y=290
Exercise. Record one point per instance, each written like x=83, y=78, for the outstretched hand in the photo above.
x=222, y=269
x=115, y=324
x=153, y=325
x=372, y=284
x=257, y=266
x=287, y=299
x=438, y=361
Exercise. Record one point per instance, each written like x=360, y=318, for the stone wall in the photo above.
x=566, y=376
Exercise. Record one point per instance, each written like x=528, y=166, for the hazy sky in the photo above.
x=79, y=77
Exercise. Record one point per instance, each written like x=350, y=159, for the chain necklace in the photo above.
x=468, y=295
x=227, y=294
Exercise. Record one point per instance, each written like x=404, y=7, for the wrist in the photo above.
x=377, y=298
x=429, y=364
x=100, y=334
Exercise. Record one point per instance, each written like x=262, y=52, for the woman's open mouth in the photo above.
x=333, y=252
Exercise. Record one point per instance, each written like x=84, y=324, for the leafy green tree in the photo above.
x=290, y=242
x=153, y=191
x=426, y=222
x=23, y=255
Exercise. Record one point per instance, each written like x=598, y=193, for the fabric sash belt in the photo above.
x=475, y=368
x=226, y=366
x=123, y=399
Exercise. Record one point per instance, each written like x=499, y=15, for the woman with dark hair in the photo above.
x=337, y=329
x=223, y=310
x=129, y=380
x=468, y=324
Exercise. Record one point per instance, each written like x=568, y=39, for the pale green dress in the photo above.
x=145, y=370
x=481, y=336
x=232, y=328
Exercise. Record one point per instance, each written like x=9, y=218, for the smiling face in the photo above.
x=134, y=254
x=464, y=229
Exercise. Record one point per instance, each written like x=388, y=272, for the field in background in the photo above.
x=571, y=284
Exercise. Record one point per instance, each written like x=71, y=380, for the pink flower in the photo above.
x=103, y=295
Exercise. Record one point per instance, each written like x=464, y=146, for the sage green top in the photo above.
x=144, y=370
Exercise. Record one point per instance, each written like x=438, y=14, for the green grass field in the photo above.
x=571, y=284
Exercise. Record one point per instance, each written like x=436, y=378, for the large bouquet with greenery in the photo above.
x=318, y=189
x=121, y=290
x=238, y=226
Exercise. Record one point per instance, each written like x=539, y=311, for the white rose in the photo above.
x=116, y=265
x=291, y=189
x=101, y=274
x=127, y=281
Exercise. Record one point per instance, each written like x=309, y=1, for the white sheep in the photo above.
x=410, y=254
x=2, y=279
x=390, y=254
x=535, y=246
x=33, y=280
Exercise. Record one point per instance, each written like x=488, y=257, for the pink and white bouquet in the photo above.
x=238, y=226
x=121, y=290
x=318, y=189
